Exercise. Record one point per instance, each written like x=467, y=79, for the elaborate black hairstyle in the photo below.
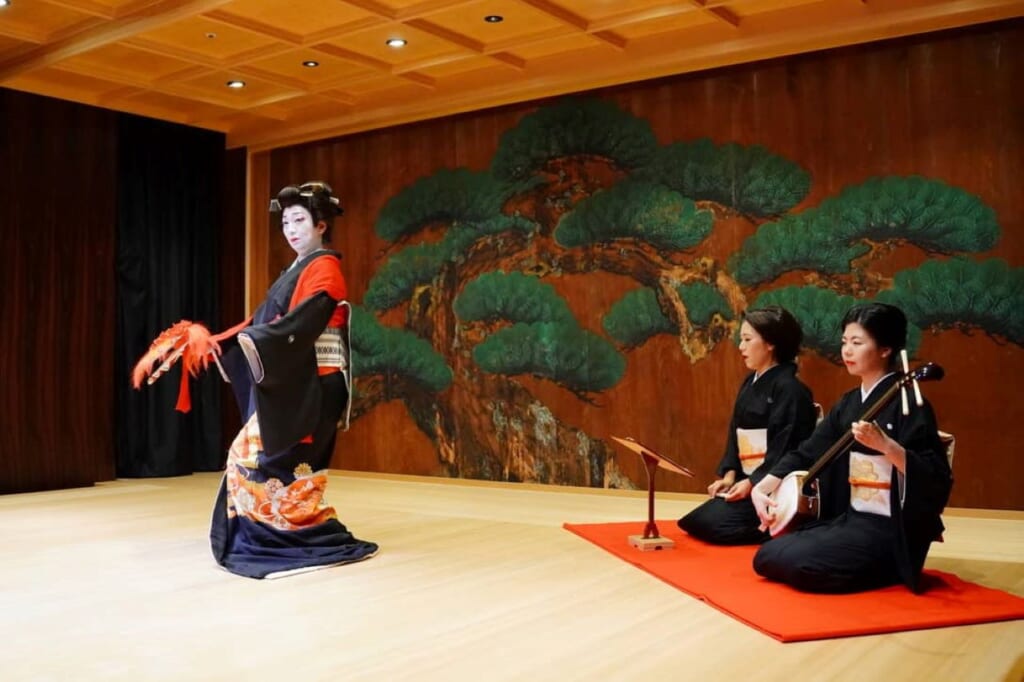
x=317, y=197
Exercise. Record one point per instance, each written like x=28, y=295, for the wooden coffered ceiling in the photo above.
x=172, y=59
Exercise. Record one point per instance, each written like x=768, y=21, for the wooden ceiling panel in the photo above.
x=569, y=43
x=445, y=69
x=372, y=43
x=596, y=10
x=518, y=20
x=12, y=46
x=363, y=87
x=208, y=38
x=190, y=110
x=301, y=18
x=38, y=22
x=670, y=24
x=140, y=66
x=212, y=87
x=330, y=69
x=56, y=82
x=313, y=108
x=154, y=57
x=397, y=8
x=107, y=9
x=749, y=8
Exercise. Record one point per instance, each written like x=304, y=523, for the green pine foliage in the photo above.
x=418, y=265
x=447, y=196
x=461, y=235
x=702, y=302
x=988, y=295
x=636, y=317
x=377, y=349
x=514, y=296
x=564, y=353
x=804, y=241
x=639, y=210
x=750, y=179
x=396, y=280
x=573, y=127
x=927, y=213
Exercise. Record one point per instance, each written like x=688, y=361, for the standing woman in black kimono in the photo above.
x=773, y=412
x=292, y=382
x=289, y=370
x=881, y=500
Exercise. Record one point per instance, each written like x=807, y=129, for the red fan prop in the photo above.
x=187, y=341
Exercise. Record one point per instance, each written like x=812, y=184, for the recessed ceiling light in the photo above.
x=4, y=3
x=396, y=42
x=310, y=63
x=494, y=18
x=235, y=84
x=210, y=35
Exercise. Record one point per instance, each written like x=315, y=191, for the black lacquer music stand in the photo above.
x=651, y=539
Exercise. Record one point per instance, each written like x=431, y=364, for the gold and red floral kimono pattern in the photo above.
x=300, y=504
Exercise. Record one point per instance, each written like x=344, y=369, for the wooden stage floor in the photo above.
x=474, y=581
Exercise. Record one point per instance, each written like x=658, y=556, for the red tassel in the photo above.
x=184, y=403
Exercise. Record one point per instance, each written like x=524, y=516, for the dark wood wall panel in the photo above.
x=946, y=106
x=58, y=194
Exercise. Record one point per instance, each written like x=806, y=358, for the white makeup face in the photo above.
x=302, y=234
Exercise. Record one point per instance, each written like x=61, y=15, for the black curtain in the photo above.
x=168, y=240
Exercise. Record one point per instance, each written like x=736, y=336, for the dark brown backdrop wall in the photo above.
x=57, y=223
x=60, y=182
x=944, y=106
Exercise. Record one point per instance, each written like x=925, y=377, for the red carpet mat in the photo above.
x=723, y=577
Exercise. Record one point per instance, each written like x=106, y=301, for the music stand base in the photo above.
x=650, y=544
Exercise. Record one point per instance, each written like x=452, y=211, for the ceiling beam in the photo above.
x=428, y=7
x=252, y=26
x=639, y=16
x=720, y=13
x=92, y=7
x=147, y=19
x=374, y=7
x=375, y=64
x=404, y=14
x=574, y=20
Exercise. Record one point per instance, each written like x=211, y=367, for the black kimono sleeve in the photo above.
x=924, y=488
x=282, y=360
x=731, y=456
x=790, y=422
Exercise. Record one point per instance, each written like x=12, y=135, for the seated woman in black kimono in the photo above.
x=880, y=500
x=773, y=413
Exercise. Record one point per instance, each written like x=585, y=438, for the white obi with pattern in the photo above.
x=330, y=350
x=871, y=483
x=752, y=445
